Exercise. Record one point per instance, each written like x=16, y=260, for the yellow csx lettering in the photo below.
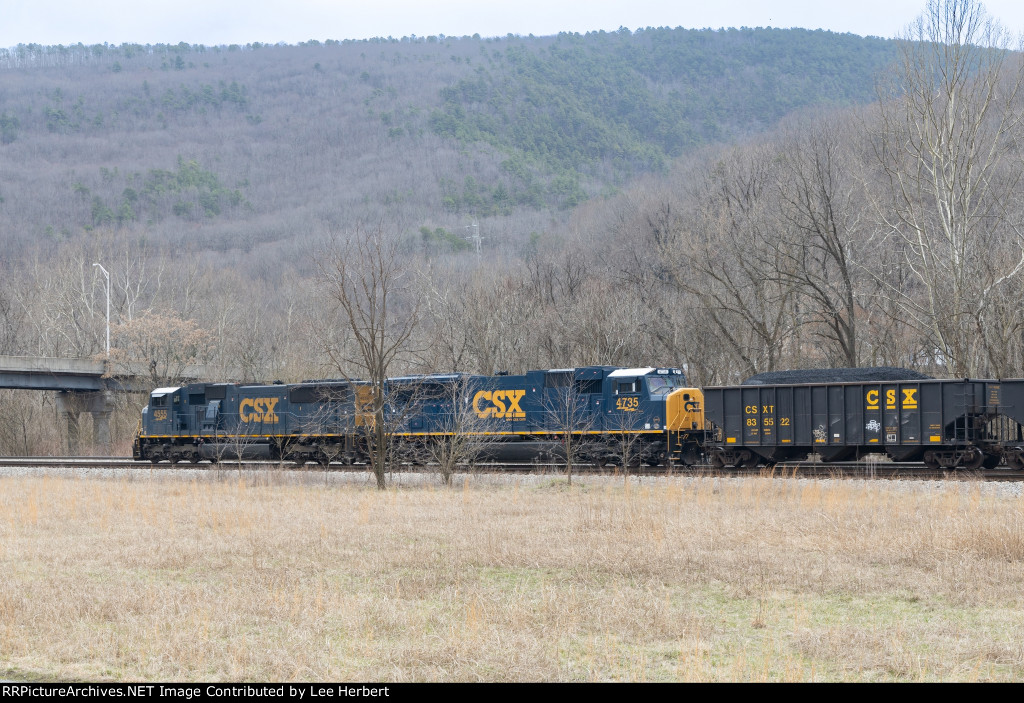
x=872, y=398
x=909, y=399
x=262, y=410
x=498, y=407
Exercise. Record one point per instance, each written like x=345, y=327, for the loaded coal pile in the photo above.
x=859, y=375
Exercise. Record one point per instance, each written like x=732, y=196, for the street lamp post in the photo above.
x=105, y=273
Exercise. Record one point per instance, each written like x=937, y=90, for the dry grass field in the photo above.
x=269, y=577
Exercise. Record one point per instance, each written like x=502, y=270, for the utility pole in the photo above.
x=107, y=275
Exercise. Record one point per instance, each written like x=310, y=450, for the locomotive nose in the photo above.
x=684, y=410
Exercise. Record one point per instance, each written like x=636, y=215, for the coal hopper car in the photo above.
x=953, y=424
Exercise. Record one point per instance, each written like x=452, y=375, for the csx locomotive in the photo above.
x=522, y=417
x=951, y=424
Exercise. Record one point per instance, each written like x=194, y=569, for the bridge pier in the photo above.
x=71, y=405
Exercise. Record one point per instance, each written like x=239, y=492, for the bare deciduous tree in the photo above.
x=718, y=255
x=815, y=242
x=949, y=146
x=156, y=346
x=570, y=417
x=460, y=436
x=363, y=283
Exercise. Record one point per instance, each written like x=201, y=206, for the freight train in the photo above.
x=598, y=414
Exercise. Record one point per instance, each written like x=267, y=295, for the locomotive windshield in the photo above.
x=663, y=384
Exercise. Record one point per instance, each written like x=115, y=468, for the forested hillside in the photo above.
x=229, y=147
x=597, y=110
x=728, y=201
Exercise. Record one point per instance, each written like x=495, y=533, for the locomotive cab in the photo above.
x=158, y=416
x=660, y=400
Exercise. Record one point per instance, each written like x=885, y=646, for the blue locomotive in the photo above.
x=516, y=417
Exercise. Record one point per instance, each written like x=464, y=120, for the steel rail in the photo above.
x=852, y=470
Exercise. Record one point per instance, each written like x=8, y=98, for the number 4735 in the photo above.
x=627, y=404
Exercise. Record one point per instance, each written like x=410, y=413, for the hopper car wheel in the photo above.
x=193, y=458
x=931, y=461
x=717, y=461
x=154, y=460
x=973, y=459
x=1015, y=458
x=991, y=461
x=747, y=459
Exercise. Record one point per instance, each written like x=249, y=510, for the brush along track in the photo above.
x=859, y=470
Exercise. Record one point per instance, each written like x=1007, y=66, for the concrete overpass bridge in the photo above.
x=88, y=385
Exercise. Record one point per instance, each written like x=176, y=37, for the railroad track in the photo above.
x=860, y=470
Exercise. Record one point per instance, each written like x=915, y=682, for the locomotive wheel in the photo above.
x=194, y=458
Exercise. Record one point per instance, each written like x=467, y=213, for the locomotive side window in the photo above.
x=212, y=409
x=632, y=386
x=159, y=401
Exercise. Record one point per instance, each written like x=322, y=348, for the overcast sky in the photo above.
x=213, y=22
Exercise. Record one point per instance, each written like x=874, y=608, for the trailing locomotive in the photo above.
x=519, y=418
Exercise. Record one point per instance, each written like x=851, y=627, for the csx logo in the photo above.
x=257, y=410
x=909, y=399
x=502, y=404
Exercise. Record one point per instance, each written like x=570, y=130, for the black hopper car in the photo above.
x=838, y=415
x=951, y=424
